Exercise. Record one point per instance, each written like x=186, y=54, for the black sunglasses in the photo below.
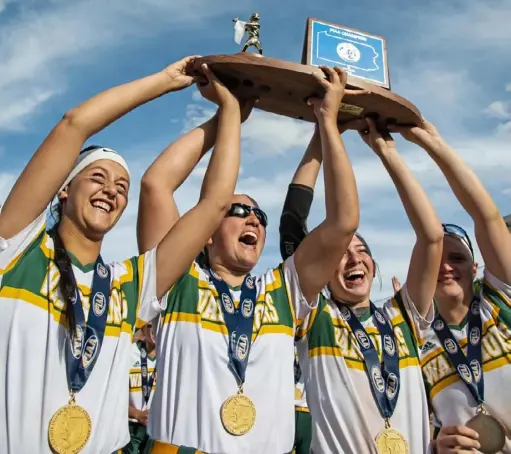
x=459, y=232
x=240, y=210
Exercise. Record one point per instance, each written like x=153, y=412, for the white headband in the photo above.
x=86, y=158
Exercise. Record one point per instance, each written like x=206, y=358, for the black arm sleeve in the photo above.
x=293, y=220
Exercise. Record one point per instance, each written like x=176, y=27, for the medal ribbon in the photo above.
x=468, y=367
x=147, y=382
x=384, y=376
x=83, y=351
x=239, y=322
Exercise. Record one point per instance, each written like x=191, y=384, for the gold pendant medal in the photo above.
x=492, y=434
x=238, y=414
x=69, y=429
x=391, y=441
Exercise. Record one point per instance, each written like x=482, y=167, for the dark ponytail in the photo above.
x=67, y=285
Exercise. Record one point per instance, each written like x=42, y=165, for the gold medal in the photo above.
x=391, y=441
x=238, y=414
x=492, y=434
x=69, y=429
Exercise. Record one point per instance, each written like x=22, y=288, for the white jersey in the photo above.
x=193, y=374
x=451, y=400
x=136, y=396
x=33, y=380
x=346, y=418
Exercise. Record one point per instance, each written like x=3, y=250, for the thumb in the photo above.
x=210, y=75
x=313, y=101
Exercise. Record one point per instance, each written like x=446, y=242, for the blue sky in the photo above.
x=451, y=61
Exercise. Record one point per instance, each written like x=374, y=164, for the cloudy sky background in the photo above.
x=451, y=61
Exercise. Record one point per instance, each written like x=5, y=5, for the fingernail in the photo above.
x=204, y=66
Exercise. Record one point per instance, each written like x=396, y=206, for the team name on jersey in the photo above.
x=265, y=311
x=136, y=379
x=496, y=348
x=117, y=306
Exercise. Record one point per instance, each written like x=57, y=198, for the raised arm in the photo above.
x=53, y=161
x=320, y=252
x=427, y=253
x=157, y=212
x=300, y=193
x=157, y=209
x=491, y=231
x=188, y=236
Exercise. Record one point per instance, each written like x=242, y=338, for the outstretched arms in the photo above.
x=492, y=234
x=188, y=236
x=427, y=253
x=53, y=161
x=320, y=252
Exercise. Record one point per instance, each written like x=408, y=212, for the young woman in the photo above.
x=67, y=317
x=363, y=379
x=467, y=352
x=225, y=346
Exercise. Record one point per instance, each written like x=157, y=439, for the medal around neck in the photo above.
x=391, y=441
x=384, y=377
x=492, y=434
x=69, y=429
x=238, y=414
x=469, y=367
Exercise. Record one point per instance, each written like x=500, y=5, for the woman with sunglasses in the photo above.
x=67, y=317
x=466, y=358
x=363, y=379
x=226, y=340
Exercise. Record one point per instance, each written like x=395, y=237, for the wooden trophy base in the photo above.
x=284, y=87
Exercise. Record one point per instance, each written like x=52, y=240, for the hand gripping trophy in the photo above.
x=252, y=28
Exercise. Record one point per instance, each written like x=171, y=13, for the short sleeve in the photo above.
x=149, y=307
x=11, y=249
x=418, y=324
x=299, y=304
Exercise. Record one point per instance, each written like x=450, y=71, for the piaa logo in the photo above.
x=348, y=52
x=247, y=307
x=388, y=345
x=379, y=317
x=438, y=325
x=99, y=304
x=102, y=271
x=377, y=379
x=345, y=313
x=464, y=372
x=451, y=346
x=392, y=385
x=362, y=338
x=77, y=342
x=242, y=347
x=228, y=304
x=475, y=365
x=89, y=351
x=475, y=335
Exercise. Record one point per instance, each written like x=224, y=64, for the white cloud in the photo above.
x=37, y=46
x=499, y=109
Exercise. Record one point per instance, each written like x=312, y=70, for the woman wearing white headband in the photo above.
x=466, y=357
x=67, y=318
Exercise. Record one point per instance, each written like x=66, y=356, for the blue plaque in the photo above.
x=361, y=55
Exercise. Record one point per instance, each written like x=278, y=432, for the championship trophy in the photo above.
x=284, y=87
